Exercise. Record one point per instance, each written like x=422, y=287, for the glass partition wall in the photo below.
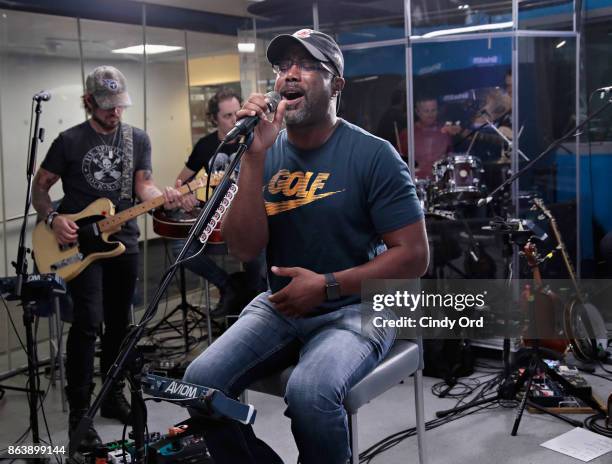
x=502, y=63
x=468, y=92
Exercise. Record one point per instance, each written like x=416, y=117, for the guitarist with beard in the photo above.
x=99, y=158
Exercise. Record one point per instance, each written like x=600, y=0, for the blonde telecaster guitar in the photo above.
x=96, y=223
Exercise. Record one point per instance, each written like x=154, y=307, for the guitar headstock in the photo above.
x=216, y=177
x=197, y=183
x=539, y=204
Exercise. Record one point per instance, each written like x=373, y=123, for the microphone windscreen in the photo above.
x=273, y=99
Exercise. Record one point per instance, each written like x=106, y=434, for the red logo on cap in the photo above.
x=303, y=33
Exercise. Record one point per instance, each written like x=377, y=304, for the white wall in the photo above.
x=168, y=122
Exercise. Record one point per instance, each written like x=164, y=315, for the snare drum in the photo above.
x=458, y=178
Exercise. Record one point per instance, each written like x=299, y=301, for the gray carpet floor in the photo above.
x=480, y=438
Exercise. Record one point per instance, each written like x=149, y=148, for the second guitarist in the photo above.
x=100, y=158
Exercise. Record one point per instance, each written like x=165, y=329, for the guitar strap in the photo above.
x=127, y=176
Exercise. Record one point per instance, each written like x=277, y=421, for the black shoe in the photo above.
x=116, y=406
x=78, y=400
x=227, y=295
x=234, y=296
x=91, y=440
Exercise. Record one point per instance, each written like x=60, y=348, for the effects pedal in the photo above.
x=179, y=446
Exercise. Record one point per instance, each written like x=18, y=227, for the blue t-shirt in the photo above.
x=327, y=208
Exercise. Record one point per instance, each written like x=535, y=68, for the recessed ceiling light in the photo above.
x=246, y=47
x=560, y=44
x=150, y=48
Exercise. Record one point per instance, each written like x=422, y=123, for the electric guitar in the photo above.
x=96, y=222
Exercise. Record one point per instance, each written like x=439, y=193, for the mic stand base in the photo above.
x=139, y=408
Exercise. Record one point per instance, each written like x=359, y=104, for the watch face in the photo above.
x=332, y=287
x=333, y=291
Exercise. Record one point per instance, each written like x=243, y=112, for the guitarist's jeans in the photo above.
x=201, y=265
x=205, y=267
x=103, y=292
x=334, y=354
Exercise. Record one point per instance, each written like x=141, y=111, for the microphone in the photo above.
x=43, y=95
x=246, y=125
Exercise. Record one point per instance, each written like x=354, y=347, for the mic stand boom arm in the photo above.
x=571, y=133
x=129, y=343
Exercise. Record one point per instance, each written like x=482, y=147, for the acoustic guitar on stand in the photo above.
x=96, y=223
x=583, y=324
x=547, y=306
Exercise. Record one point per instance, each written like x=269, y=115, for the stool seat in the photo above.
x=404, y=359
x=401, y=362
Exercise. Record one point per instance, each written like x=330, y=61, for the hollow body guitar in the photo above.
x=96, y=223
x=177, y=224
x=547, y=306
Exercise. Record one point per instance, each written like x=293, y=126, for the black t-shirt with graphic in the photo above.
x=202, y=153
x=90, y=166
x=328, y=208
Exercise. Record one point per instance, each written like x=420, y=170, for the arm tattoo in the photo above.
x=147, y=174
x=41, y=200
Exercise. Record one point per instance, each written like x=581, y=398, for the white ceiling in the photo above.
x=32, y=34
x=230, y=7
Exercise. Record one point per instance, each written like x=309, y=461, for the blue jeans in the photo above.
x=201, y=265
x=332, y=355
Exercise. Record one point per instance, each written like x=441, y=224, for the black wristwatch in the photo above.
x=332, y=287
x=50, y=217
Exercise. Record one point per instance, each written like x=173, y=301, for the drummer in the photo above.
x=233, y=293
x=432, y=141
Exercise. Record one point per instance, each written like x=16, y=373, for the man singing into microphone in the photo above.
x=333, y=206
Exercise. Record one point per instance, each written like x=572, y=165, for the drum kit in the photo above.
x=457, y=183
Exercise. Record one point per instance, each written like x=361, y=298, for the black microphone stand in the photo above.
x=21, y=290
x=126, y=355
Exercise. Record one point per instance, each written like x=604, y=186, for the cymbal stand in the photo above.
x=501, y=134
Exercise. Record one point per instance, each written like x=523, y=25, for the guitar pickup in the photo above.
x=66, y=262
x=67, y=246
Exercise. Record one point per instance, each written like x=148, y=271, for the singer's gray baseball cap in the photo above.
x=321, y=46
x=108, y=87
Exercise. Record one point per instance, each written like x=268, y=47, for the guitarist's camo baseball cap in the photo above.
x=108, y=87
x=321, y=46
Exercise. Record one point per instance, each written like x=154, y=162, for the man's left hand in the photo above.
x=305, y=292
x=174, y=199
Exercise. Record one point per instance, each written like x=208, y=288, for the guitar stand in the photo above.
x=184, y=307
x=535, y=366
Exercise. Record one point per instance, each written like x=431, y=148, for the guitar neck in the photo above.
x=116, y=220
x=565, y=256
